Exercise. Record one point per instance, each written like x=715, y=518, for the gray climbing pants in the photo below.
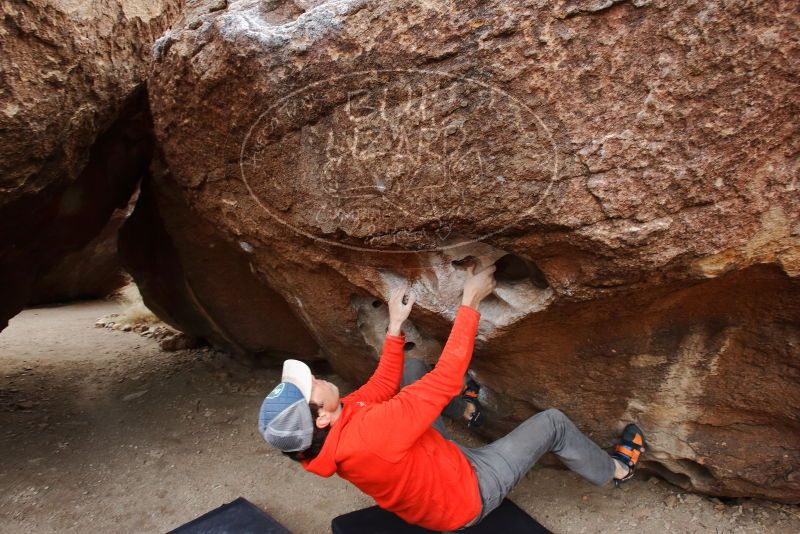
x=500, y=465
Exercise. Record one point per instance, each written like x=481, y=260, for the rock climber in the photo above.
x=389, y=440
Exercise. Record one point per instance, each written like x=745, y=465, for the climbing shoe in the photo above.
x=630, y=448
x=470, y=395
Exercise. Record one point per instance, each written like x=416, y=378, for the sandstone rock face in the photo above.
x=75, y=130
x=632, y=166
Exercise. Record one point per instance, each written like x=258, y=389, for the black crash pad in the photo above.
x=237, y=517
x=508, y=518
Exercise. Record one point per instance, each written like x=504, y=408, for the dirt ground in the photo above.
x=103, y=432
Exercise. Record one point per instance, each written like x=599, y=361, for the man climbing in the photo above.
x=393, y=444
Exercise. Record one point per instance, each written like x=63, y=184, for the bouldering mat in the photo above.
x=237, y=517
x=508, y=518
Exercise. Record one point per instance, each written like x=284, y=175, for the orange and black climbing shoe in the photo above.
x=629, y=450
x=470, y=395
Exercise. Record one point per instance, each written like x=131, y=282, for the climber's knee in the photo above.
x=555, y=414
x=558, y=420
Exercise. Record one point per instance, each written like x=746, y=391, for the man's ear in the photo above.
x=323, y=420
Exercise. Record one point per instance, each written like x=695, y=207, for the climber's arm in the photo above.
x=385, y=381
x=417, y=405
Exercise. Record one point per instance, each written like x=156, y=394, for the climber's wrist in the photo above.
x=395, y=328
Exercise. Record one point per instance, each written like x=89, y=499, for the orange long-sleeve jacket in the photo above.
x=384, y=444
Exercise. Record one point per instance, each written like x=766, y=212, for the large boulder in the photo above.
x=631, y=166
x=76, y=134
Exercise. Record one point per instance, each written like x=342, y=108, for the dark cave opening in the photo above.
x=513, y=268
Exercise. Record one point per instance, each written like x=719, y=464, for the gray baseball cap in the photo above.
x=285, y=420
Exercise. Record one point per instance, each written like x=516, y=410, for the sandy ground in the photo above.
x=103, y=432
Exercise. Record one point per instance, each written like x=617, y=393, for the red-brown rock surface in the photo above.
x=637, y=160
x=201, y=284
x=74, y=126
x=92, y=272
